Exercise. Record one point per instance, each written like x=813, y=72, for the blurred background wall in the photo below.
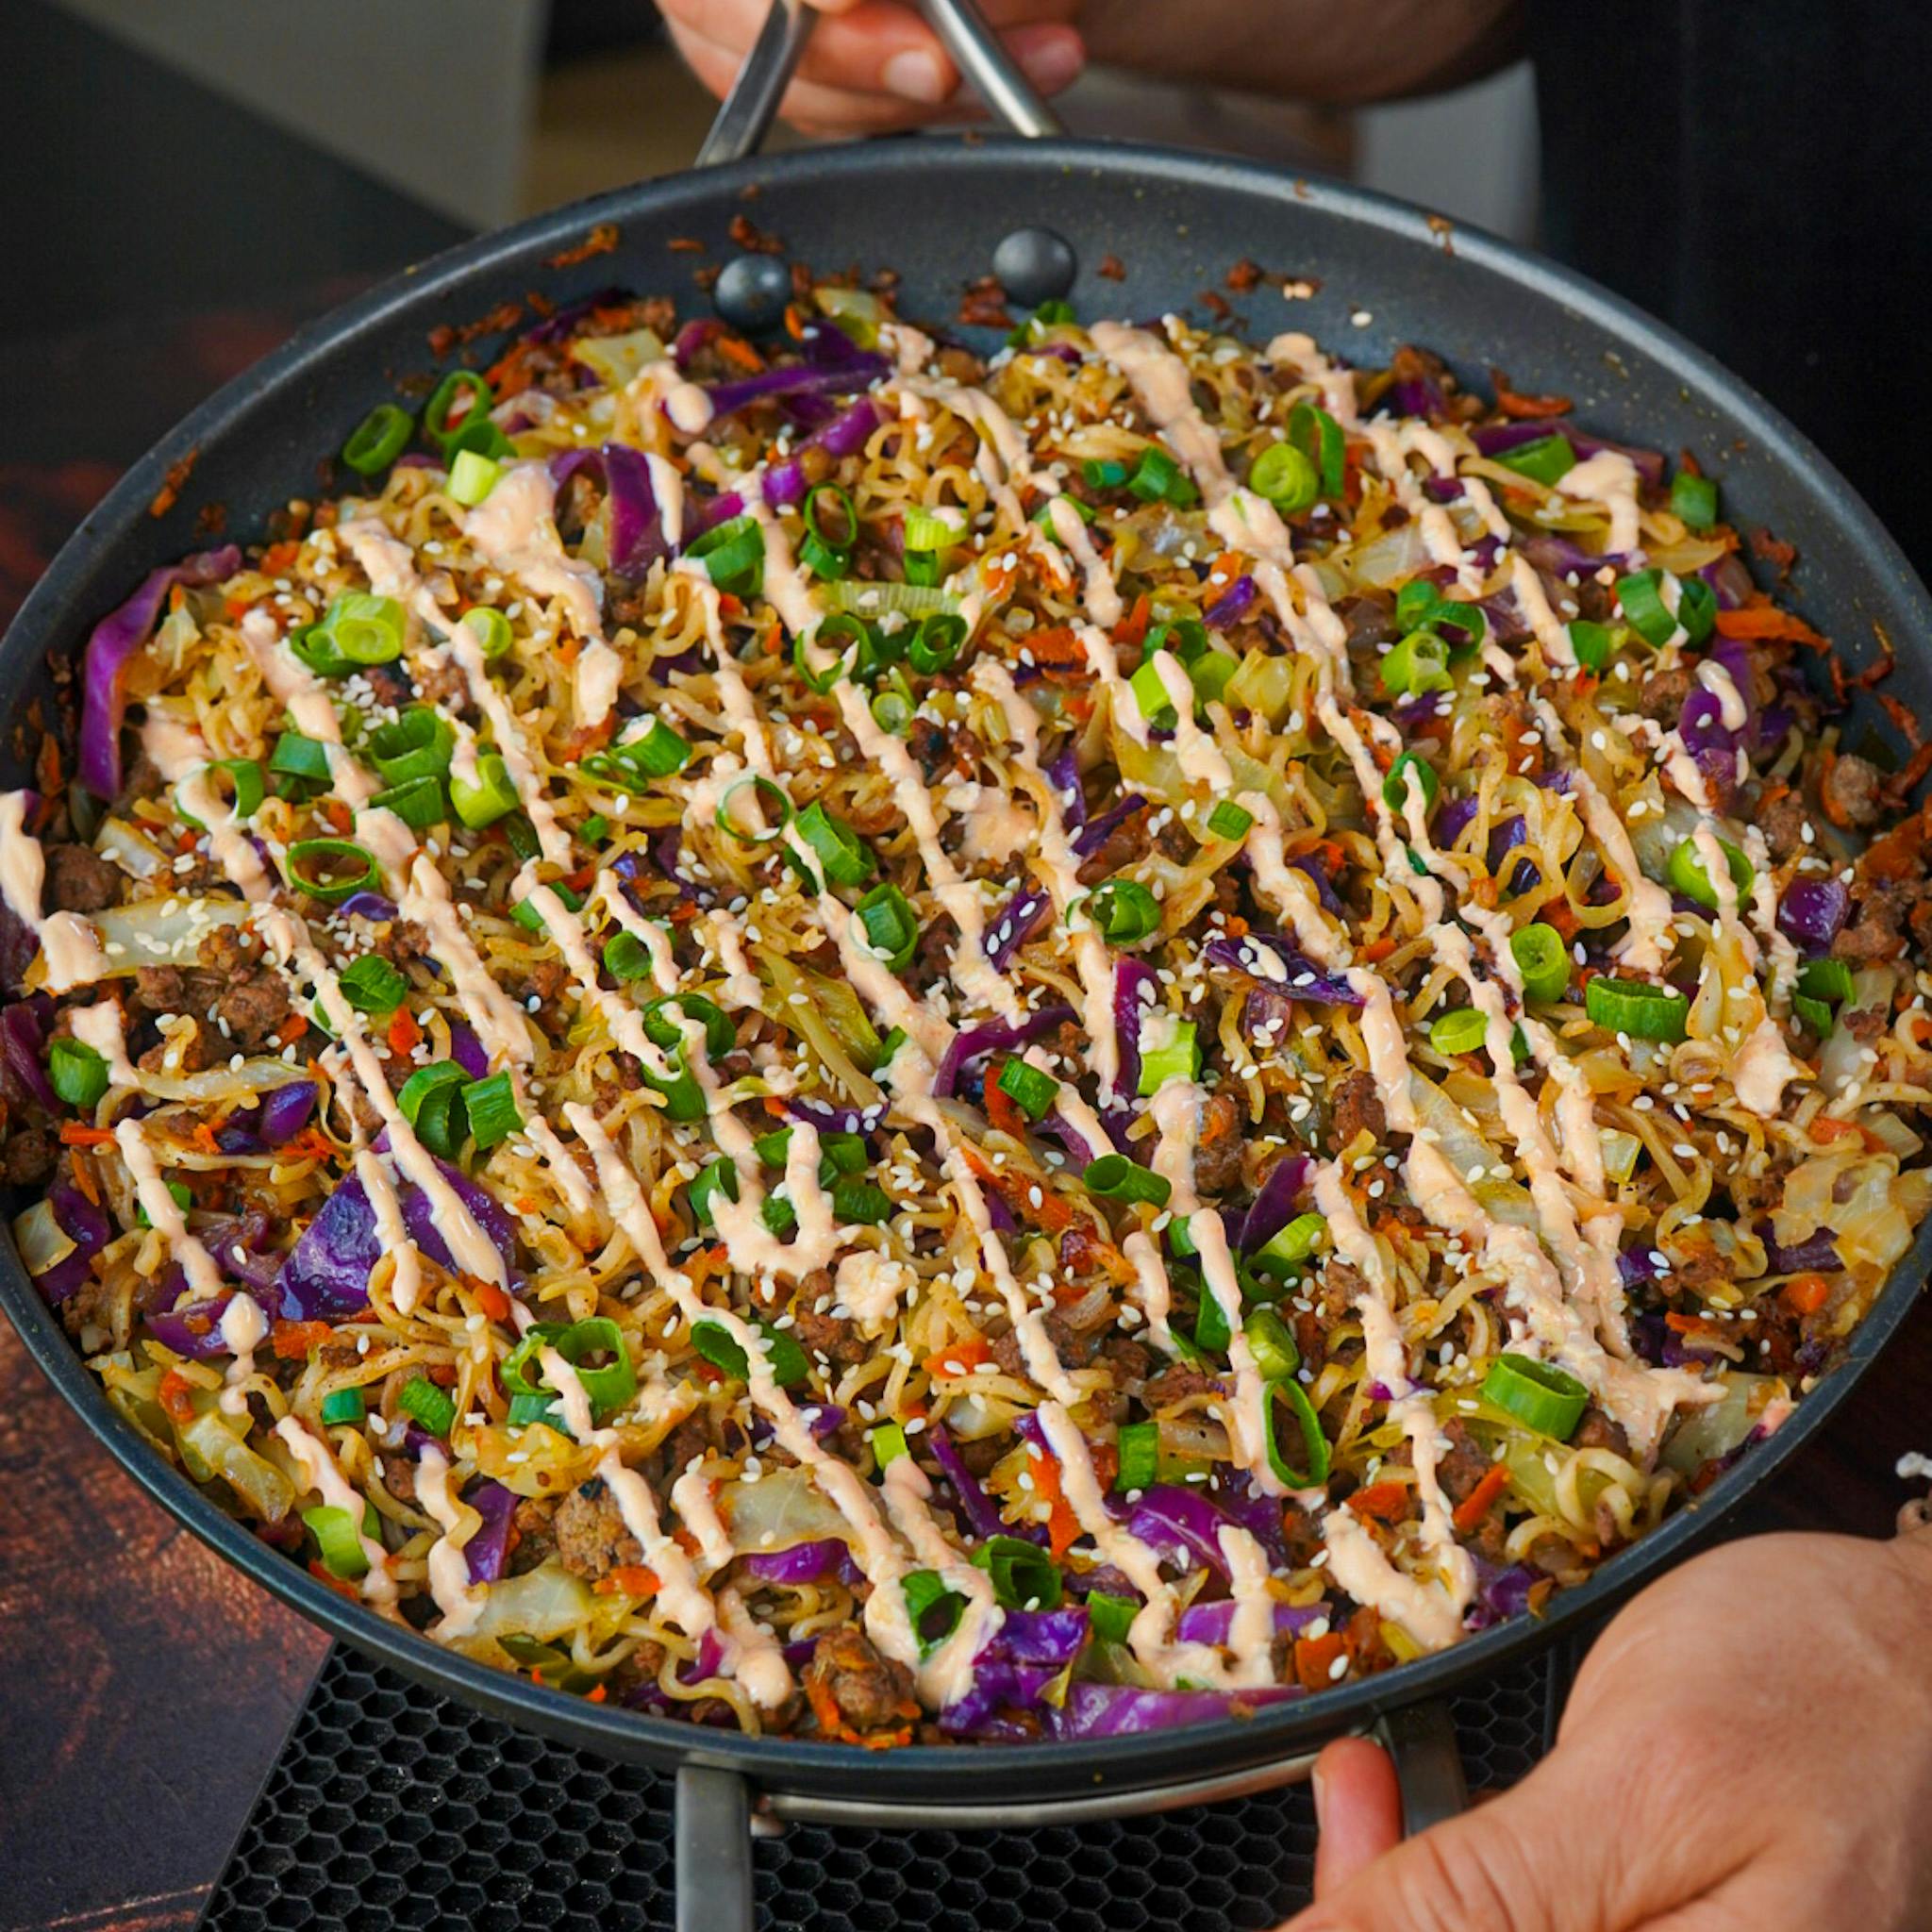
x=486, y=110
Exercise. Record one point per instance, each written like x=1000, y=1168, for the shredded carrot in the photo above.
x=235, y=609
x=1766, y=621
x=1384, y=1501
x=1132, y=628
x=627, y=1579
x=175, y=1393
x=320, y=1570
x=294, y=1340
x=1475, y=1506
x=84, y=1179
x=78, y=1134
x=291, y=1029
x=1807, y=1293
x=736, y=349
x=280, y=557
x=1827, y=1127
x=403, y=1033
x=492, y=1301
x=1561, y=918
x=1002, y=1109
x=596, y=1694
x=1378, y=948
x=826, y=1708
x=959, y=1358
x=1316, y=1656
x=1062, y=1526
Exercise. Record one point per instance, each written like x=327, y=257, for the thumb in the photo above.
x=1357, y=1810
x=1555, y=1854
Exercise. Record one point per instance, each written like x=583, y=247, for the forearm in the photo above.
x=1312, y=50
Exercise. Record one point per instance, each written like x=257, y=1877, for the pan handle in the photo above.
x=713, y=1836
x=751, y=107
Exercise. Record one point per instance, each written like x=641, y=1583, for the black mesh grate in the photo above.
x=394, y=1809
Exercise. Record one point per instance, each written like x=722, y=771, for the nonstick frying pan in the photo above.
x=936, y=210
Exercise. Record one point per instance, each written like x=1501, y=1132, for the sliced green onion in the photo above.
x=877, y=600
x=1314, y=1444
x=1414, y=603
x=891, y=710
x=888, y=1047
x=1211, y=1332
x=1286, y=477
x=379, y=439
x=890, y=927
x=442, y=419
x=928, y=530
x=372, y=985
x=1139, y=1444
x=1275, y=1352
x=1210, y=673
x=432, y=1102
x=935, y=646
x=850, y=641
x=526, y=1409
x=178, y=1192
x=888, y=1443
x=1547, y=1399
x=923, y=568
x=656, y=752
x=1419, y=663
x=1110, y=1618
x=314, y=646
x=1155, y=477
x=1636, y=1008
x=627, y=957
x=1687, y=873
x=762, y=790
x=244, y=777
x=493, y=632
x=344, y=1405
x=330, y=869
x=783, y=1356
x=1030, y=1090
x=1318, y=436
x=1043, y=515
x=492, y=797
x=1230, y=821
x=1467, y=618
x=420, y=1400
x=419, y=802
x=1287, y=1249
x=837, y=1153
x=1826, y=979
x=526, y=915
x=934, y=1610
x=1464, y=1030
x=844, y=854
x=859, y=1203
x=719, y=1176
x=479, y=437
x=1024, y=1577
x=1114, y=1178
x=779, y=1215
x=471, y=478
x=1150, y=693
x=1640, y=597
x=1546, y=461
x=1109, y=474
x=1696, y=609
x=1124, y=910
x=661, y=1018
x=1816, y=1014
x=492, y=1107
x=366, y=629
x=1543, y=962
x=1180, y=1237
x=840, y=538
x=338, y=1538
x=418, y=745
x=520, y=835
x=733, y=555
x=1590, y=643
x=78, y=1073
x=303, y=760
x=1693, y=499
x=594, y=830
x=1178, y=1059
x=610, y=1383
x=827, y=564
x=1409, y=770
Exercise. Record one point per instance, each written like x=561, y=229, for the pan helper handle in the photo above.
x=751, y=107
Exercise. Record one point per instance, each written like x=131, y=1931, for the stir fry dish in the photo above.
x=833, y=1037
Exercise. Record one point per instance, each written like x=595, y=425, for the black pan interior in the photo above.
x=1385, y=274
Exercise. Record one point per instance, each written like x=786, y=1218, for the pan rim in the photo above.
x=48, y=619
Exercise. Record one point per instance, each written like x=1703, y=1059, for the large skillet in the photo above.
x=935, y=210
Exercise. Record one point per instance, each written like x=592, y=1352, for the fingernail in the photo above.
x=916, y=75
x=1320, y=1786
x=1053, y=65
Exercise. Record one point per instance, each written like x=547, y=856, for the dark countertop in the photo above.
x=147, y=1687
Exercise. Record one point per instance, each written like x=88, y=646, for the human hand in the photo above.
x=1748, y=1749
x=873, y=65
